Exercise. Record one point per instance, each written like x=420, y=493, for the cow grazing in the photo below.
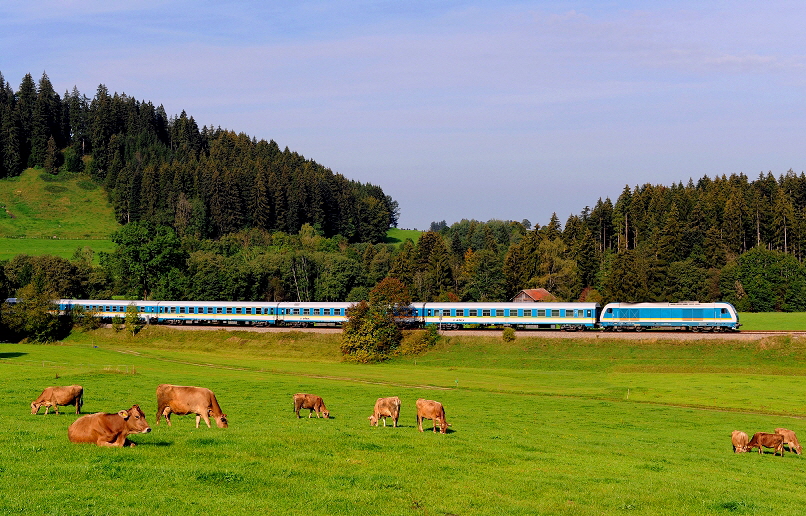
x=183, y=400
x=790, y=439
x=55, y=396
x=385, y=407
x=767, y=440
x=739, y=440
x=109, y=429
x=312, y=403
x=429, y=409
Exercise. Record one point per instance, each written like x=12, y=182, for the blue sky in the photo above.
x=480, y=110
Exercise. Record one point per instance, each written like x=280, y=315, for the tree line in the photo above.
x=204, y=183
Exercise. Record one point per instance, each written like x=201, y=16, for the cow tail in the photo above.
x=80, y=401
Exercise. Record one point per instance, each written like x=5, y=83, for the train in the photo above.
x=578, y=316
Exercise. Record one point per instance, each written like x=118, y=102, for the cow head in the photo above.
x=326, y=413
x=135, y=420
x=443, y=425
x=35, y=407
x=221, y=420
x=373, y=421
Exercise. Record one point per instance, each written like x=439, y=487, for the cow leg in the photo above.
x=167, y=413
x=419, y=423
x=203, y=416
x=56, y=406
x=384, y=421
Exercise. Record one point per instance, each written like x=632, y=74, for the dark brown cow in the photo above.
x=55, y=396
x=109, y=429
x=429, y=409
x=767, y=440
x=385, y=407
x=312, y=403
x=182, y=400
x=790, y=439
x=739, y=440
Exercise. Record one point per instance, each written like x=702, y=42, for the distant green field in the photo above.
x=773, y=321
x=11, y=247
x=398, y=236
x=539, y=426
x=37, y=205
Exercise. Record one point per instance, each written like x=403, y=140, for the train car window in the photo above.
x=609, y=311
x=229, y=309
x=485, y=313
x=724, y=311
x=555, y=313
x=181, y=309
x=541, y=313
x=295, y=311
x=588, y=313
x=474, y=313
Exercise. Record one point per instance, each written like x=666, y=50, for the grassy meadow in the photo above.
x=42, y=214
x=539, y=426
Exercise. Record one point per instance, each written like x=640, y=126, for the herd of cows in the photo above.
x=106, y=429
x=776, y=441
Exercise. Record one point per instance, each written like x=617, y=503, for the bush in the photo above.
x=419, y=341
x=508, y=335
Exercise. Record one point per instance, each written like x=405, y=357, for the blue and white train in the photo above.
x=693, y=316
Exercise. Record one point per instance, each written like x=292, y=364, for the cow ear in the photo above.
x=123, y=414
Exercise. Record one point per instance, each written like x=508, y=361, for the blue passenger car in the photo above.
x=566, y=316
x=693, y=316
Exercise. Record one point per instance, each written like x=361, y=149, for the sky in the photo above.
x=457, y=109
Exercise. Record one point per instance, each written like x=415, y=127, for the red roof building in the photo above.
x=533, y=295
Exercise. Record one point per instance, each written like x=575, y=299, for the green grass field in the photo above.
x=539, y=426
x=398, y=236
x=72, y=208
x=773, y=321
x=11, y=247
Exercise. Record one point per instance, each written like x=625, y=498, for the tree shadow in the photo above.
x=11, y=355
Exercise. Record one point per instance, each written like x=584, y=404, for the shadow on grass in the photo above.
x=159, y=444
x=11, y=355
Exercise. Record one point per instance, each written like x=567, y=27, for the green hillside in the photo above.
x=50, y=214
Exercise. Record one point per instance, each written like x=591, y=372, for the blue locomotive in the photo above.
x=693, y=316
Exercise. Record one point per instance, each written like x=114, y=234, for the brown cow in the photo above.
x=183, y=400
x=385, y=407
x=429, y=409
x=312, y=403
x=790, y=439
x=55, y=396
x=739, y=440
x=767, y=440
x=109, y=429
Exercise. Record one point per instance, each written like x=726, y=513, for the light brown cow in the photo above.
x=385, y=407
x=312, y=403
x=767, y=440
x=109, y=429
x=182, y=400
x=55, y=396
x=429, y=409
x=739, y=440
x=790, y=439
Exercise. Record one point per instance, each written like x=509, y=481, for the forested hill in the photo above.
x=205, y=182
